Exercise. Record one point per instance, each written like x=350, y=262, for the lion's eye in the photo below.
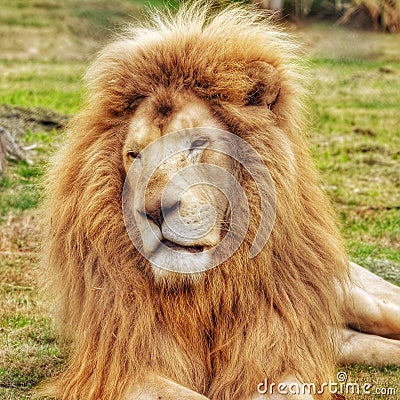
x=133, y=154
x=198, y=143
x=133, y=102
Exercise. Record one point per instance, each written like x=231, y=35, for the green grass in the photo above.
x=20, y=190
x=20, y=185
x=55, y=85
x=355, y=139
x=356, y=144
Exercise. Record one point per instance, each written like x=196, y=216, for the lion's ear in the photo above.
x=266, y=85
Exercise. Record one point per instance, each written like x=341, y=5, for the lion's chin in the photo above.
x=173, y=280
x=166, y=262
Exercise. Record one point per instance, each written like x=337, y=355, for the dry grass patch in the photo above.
x=28, y=345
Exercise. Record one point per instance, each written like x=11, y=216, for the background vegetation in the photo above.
x=378, y=15
x=45, y=47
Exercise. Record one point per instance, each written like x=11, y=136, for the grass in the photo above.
x=354, y=136
x=19, y=187
x=54, y=85
x=356, y=144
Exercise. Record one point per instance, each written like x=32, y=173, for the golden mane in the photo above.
x=245, y=320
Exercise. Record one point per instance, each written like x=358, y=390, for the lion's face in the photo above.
x=176, y=203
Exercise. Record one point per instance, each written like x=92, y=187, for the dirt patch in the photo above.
x=19, y=120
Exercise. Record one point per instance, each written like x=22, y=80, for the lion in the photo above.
x=184, y=330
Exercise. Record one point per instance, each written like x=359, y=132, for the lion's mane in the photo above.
x=243, y=321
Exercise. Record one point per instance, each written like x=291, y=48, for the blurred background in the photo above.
x=352, y=53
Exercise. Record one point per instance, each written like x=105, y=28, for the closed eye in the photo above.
x=134, y=102
x=198, y=143
x=133, y=154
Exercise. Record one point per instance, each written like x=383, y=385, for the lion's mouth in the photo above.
x=179, y=247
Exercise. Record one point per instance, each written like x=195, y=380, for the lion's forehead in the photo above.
x=150, y=120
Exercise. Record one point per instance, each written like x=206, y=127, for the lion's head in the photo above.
x=183, y=184
x=246, y=319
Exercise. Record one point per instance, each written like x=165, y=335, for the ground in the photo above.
x=354, y=135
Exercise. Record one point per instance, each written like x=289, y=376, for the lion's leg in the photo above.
x=363, y=348
x=156, y=387
x=372, y=305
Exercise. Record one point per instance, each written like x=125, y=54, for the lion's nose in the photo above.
x=157, y=214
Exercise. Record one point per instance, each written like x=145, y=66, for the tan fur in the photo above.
x=243, y=320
